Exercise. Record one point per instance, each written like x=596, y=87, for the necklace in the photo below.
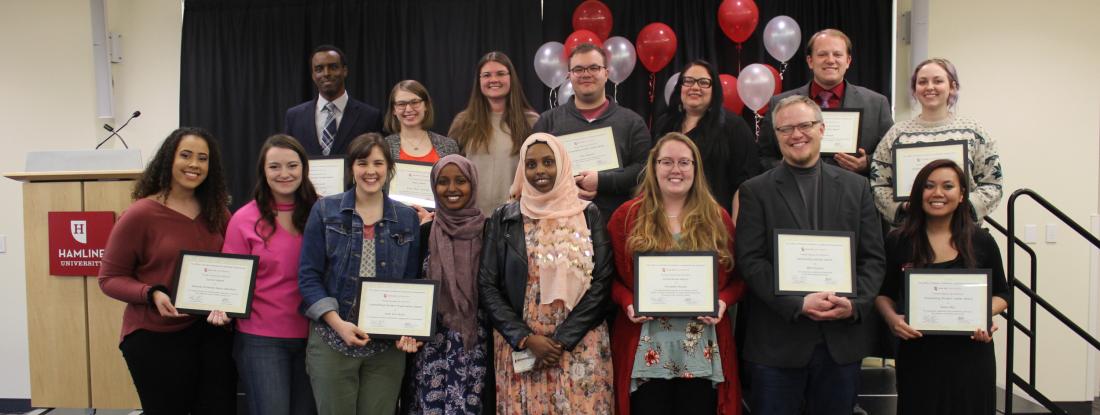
x=418, y=142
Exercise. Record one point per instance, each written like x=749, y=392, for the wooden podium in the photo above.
x=72, y=327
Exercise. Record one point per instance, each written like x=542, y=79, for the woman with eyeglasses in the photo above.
x=935, y=85
x=494, y=124
x=724, y=139
x=685, y=365
x=409, y=115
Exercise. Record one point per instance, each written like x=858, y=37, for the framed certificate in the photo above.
x=814, y=261
x=841, y=130
x=948, y=301
x=412, y=184
x=389, y=309
x=592, y=150
x=327, y=175
x=208, y=281
x=676, y=284
x=910, y=158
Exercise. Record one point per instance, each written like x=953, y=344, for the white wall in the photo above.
x=1028, y=74
x=48, y=87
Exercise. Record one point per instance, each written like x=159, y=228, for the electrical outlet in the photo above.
x=1052, y=233
x=1031, y=233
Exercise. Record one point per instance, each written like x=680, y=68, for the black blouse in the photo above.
x=987, y=256
x=728, y=148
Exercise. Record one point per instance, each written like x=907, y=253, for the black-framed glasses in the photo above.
x=497, y=74
x=401, y=105
x=704, y=83
x=683, y=164
x=581, y=70
x=804, y=127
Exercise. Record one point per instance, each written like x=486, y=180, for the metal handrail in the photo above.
x=1032, y=320
x=1032, y=293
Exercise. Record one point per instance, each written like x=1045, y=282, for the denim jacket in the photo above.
x=328, y=271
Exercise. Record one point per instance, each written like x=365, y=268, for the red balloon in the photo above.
x=730, y=100
x=594, y=16
x=578, y=37
x=738, y=19
x=778, y=87
x=656, y=44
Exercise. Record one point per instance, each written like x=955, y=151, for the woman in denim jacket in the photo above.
x=349, y=236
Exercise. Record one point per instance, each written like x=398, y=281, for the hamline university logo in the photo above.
x=79, y=230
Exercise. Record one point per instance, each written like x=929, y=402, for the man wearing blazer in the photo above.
x=804, y=352
x=828, y=54
x=327, y=124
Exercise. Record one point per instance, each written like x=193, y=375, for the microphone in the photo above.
x=115, y=131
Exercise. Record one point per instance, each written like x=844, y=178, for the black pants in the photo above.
x=675, y=396
x=186, y=372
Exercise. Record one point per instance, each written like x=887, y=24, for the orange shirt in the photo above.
x=431, y=157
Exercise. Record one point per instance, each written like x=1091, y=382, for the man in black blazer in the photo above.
x=310, y=122
x=804, y=352
x=828, y=54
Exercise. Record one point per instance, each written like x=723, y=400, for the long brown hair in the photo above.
x=472, y=128
x=915, y=224
x=304, y=197
x=212, y=195
x=702, y=228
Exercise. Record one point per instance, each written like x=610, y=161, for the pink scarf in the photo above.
x=454, y=245
x=562, y=247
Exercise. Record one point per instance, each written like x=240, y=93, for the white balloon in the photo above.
x=621, y=58
x=550, y=65
x=671, y=85
x=782, y=37
x=755, y=86
x=565, y=91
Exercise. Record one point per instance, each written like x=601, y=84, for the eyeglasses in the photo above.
x=401, y=105
x=581, y=70
x=497, y=74
x=804, y=127
x=704, y=83
x=683, y=164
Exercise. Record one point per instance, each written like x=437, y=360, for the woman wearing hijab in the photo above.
x=545, y=282
x=449, y=373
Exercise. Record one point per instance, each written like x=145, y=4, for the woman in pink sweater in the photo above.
x=270, y=345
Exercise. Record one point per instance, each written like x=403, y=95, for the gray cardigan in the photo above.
x=444, y=145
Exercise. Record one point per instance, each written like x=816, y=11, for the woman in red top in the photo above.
x=180, y=364
x=674, y=211
x=409, y=115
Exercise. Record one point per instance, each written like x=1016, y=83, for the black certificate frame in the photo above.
x=255, y=262
x=712, y=311
x=859, y=130
x=389, y=191
x=433, y=314
x=803, y=232
x=988, y=273
x=965, y=167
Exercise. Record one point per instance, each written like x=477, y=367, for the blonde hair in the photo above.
x=702, y=228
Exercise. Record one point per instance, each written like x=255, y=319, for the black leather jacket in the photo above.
x=503, y=278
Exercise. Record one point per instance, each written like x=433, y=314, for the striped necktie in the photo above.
x=328, y=134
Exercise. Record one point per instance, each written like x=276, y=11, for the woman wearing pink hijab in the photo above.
x=545, y=282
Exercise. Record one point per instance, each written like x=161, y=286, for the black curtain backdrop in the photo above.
x=244, y=62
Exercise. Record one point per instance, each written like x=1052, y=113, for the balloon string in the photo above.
x=782, y=70
x=652, y=85
x=615, y=92
x=739, y=68
x=758, y=118
x=552, y=90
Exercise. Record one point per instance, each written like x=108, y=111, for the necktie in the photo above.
x=824, y=97
x=328, y=134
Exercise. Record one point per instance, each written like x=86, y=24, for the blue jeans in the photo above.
x=822, y=387
x=273, y=374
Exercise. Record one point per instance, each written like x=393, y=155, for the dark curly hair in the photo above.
x=156, y=180
x=304, y=197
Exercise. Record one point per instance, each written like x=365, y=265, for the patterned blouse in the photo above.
x=366, y=270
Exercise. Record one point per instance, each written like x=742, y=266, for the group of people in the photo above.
x=534, y=259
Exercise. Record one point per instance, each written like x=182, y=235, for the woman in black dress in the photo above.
x=941, y=374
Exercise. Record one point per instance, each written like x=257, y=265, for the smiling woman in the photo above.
x=408, y=117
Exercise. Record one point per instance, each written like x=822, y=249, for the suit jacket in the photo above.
x=778, y=334
x=359, y=118
x=874, y=124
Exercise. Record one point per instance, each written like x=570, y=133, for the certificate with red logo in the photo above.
x=948, y=301
x=675, y=284
x=208, y=281
x=389, y=309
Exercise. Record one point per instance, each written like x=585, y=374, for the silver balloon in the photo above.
x=621, y=58
x=550, y=64
x=755, y=86
x=671, y=85
x=782, y=37
x=565, y=91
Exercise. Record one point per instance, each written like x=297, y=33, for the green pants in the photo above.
x=354, y=386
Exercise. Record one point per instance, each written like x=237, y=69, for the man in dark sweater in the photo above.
x=589, y=110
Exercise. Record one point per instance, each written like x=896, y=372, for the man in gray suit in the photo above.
x=828, y=54
x=804, y=352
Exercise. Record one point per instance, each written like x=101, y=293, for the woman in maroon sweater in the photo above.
x=179, y=364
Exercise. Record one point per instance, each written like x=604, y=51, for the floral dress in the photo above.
x=581, y=383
